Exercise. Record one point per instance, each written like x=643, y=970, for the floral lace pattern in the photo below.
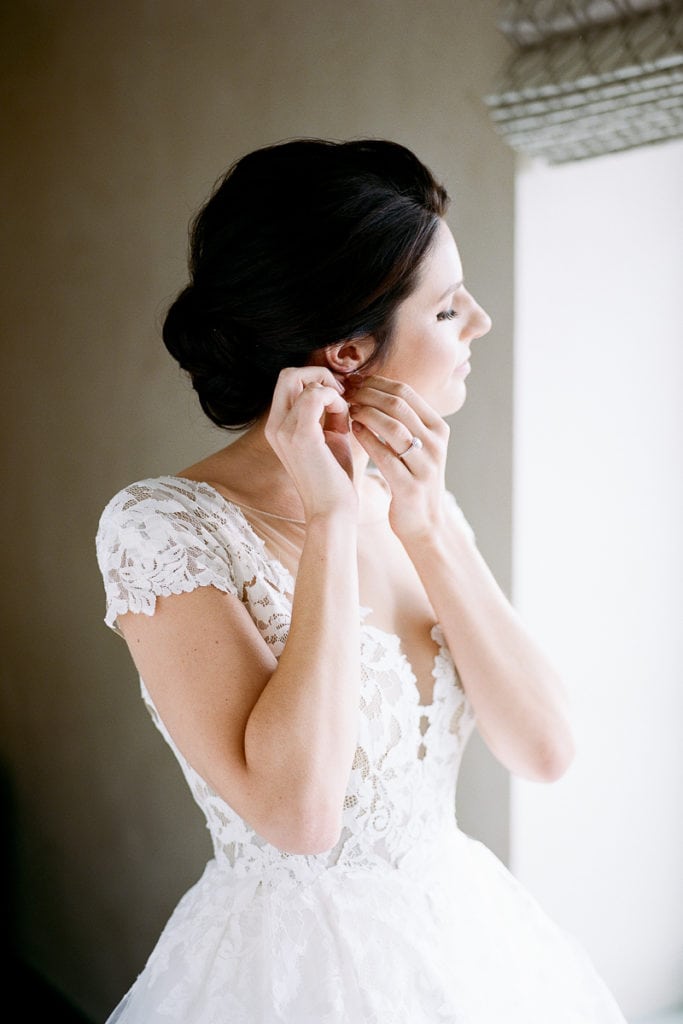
x=406, y=920
x=166, y=536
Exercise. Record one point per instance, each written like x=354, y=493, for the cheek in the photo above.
x=433, y=376
x=438, y=353
x=422, y=356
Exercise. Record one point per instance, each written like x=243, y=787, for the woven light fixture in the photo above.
x=588, y=77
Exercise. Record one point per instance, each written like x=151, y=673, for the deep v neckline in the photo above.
x=368, y=627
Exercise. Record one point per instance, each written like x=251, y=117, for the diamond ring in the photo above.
x=415, y=442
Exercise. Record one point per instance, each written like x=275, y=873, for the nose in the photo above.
x=478, y=323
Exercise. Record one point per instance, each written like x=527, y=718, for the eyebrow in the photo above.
x=449, y=291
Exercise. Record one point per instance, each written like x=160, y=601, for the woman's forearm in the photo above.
x=301, y=734
x=519, y=700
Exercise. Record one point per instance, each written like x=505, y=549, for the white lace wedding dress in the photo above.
x=407, y=920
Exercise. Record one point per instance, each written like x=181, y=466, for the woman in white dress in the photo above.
x=317, y=634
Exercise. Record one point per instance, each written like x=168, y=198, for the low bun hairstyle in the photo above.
x=301, y=245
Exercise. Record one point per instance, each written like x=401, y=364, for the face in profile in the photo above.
x=434, y=329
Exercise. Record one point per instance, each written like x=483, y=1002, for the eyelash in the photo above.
x=447, y=314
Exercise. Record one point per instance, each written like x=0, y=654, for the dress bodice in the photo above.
x=169, y=535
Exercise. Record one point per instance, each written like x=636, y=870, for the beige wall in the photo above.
x=120, y=115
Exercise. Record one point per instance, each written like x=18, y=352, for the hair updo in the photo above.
x=301, y=245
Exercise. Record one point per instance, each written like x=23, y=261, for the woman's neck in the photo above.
x=249, y=472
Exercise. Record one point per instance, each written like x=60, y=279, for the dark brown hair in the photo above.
x=301, y=245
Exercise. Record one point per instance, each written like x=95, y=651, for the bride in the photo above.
x=316, y=632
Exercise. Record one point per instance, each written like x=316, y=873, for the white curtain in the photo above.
x=587, y=77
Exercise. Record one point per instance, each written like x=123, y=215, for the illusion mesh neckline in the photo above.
x=262, y=512
x=295, y=522
x=287, y=519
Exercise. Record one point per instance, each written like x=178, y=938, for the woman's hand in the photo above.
x=308, y=428
x=386, y=416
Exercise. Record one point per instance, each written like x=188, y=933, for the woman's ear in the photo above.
x=345, y=357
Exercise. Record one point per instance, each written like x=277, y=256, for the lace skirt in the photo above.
x=449, y=937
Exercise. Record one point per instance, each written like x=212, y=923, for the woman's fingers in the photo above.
x=397, y=400
x=293, y=380
x=396, y=414
x=308, y=429
x=381, y=454
x=387, y=417
x=396, y=433
x=320, y=404
x=308, y=397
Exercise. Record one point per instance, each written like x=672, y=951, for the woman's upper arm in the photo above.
x=172, y=560
x=204, y=664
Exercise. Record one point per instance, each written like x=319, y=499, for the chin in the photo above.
x=452, y=403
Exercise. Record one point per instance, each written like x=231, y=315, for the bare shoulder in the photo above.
x=176, y=593
x=220, y=469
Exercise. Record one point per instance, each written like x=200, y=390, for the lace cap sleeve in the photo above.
x=162, y=537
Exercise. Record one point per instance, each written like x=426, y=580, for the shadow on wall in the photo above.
x=21, y=985
x=670, y=1017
